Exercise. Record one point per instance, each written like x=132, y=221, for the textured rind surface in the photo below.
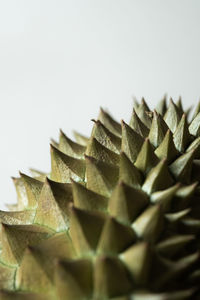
x=117, y=218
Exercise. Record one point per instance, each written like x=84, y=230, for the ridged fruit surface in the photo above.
x=118, y=217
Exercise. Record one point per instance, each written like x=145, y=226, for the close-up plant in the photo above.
x=116, y=218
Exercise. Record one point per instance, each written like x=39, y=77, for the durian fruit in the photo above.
x=118, y=217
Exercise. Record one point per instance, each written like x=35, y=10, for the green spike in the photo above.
x=135, y=102
x=53, y=205
x=107, y=175
x=128, y=173
x=158, y=178
x=131, y=142
x=73, y=279
x=69, y=147
x=149, y=224
x=100, y=152
x=182, y=135
x=7, y=277
x=21, y=193
x=142, y=112
x=85, y=230
x=110, y=123
x=15, y=239
x=177, y=216
x=38, y=174
x=158, y=130
x=109, y=242
x=33, y=190
x=197, y=110
x=24, y=217
x=105, y=284
x=27, y=280
x=195, y=145
x=165, y=197
x=162, y=106
x=87, y=199
x=137, y=259
x=185, y=192
x=174, y=244
x=194, y=127
x=179, y=104
x=146, y=158
x=126, y=203
x=58, y=246
x=81, y=139
x=181, y=167
x=167, y=149
x=172, y=116
x=106, y=137
x=138, y=126
x=65, y=167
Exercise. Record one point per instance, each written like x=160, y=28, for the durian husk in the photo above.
x=117, y=217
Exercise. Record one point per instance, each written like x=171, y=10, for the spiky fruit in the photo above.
x=117, y=218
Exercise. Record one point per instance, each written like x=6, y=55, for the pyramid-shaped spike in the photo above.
x=39, y=175
x=177, y=216
x=167, y=149
x=186, y=191
x=128, y=173
x=81, y=139
x=137, y=259
x=109, y=242
x=110, y=278
x=54, y=143
x=146, y=158
x=158, y=130
x=172, y=116
x=7, y=277
x=73, y=279
x=109, y=122
x=195, y=145
x=58, y=246
x=174, y=244
x=138, y=126
x=106, y=137
x=126, y=203
x=15, y=239
x=33, y=190
x=85, y=230
x=162, y=106
x=53, y=205
x=69, y=147
x=107, y=175
x=197, y=110
x=182, y=166
x=131, y=142
x=27, y=280
x=87, y=199
x=158, y=178
x=194, y=127
x=100, y=152
x=149, y=224
x=179, y=104
x=135, y=102
x=165, y=197
x=182, y=135
x=64, y=167
x=142, y=112
x=21, y=193
x=23, y=217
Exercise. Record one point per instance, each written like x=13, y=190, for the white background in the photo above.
x=60, y=60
